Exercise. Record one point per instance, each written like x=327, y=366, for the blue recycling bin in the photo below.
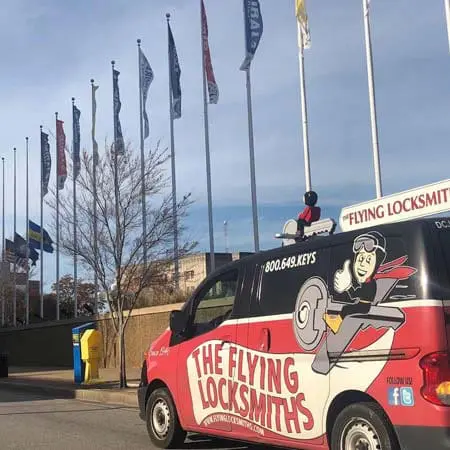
x=78, y=364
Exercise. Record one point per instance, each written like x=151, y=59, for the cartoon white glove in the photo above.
x=343, y=278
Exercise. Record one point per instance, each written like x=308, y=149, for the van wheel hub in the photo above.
x=161, y=419
x=359, y=435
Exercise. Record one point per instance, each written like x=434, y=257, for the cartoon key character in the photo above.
x=359, y=281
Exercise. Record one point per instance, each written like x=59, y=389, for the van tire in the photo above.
x=163, y=425
x=366, y=421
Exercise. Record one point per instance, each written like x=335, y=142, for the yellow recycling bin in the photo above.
x=91, y=343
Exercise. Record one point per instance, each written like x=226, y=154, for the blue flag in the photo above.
x=76, y=141
x=119, y=145
x=34, y=235
x=253, y=30
x=146, y=74
x=46, y=163
x=175, y=73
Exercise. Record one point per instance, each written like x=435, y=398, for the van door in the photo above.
x=203, y=357
x=286, y=397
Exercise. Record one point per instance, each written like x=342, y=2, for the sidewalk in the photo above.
x=58, y=383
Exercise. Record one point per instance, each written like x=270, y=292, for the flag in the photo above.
x=12, y=257
x=119, y=145
x=23, y=250
x=76, y=140
x=213, y=89
x=146, y=76
x=175, y=74
x=34, y=235
x=253, y=30
x=61, y=149
x=302, y=17
x=10, y=251
x=46, y=163
x=94, y=113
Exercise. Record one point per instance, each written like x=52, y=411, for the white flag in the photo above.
x=302, y=17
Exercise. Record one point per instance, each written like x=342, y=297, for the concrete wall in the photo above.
x=50, y=344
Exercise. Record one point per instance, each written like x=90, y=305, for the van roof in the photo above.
x=407, y=226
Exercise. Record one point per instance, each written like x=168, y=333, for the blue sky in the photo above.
x=51, y=49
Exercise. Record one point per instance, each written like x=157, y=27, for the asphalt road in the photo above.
x=32, y=422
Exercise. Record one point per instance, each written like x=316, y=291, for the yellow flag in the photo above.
x=302, y=17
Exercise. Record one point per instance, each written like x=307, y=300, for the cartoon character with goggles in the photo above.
x=360, y=282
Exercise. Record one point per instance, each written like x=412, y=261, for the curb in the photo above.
x=126, y=397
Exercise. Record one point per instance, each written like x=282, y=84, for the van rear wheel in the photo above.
x=163, y=425
x=363, y=426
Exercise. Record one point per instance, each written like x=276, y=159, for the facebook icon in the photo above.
x=403, y=396
x=394, y=396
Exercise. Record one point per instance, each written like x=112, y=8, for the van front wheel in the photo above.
x=163, y=425
x=363, y=426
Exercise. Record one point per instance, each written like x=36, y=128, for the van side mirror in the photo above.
x=178, y=322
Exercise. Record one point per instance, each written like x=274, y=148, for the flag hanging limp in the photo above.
x=175, y=75
x=76, y=141
x=253, y=30
x=146, y=80
x=61, y=149
x=302, y=17
x=46, y=163
x=119, y=145
x=213, y=89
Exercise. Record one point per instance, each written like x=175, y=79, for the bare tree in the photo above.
x=118, y=261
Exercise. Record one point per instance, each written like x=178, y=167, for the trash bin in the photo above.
x=78, y=363
x=3, y=365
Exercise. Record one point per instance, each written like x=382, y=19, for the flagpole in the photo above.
x=301, y=61
x=3, y=237
x=116, y=181
x=75, y=246
x=57, y=220
x=208, y=158
x=252, y=161
x=174, y=189
x=373, y=112
x=14, y=239
x=41, y=287
x=27, y=292
x=447, y=15
x=141, y=122
x=94, y=174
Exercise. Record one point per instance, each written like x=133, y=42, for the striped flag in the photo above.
x=61, y=149
x=302, y=17
x=175, y=75
x=213, y=89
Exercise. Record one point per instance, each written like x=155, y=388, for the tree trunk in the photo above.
x=122, y=366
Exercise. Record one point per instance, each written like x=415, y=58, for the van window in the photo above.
x=215, y=302
x=281, y=278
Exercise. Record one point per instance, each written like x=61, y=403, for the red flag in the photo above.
x=213, y=89
x=61, y=149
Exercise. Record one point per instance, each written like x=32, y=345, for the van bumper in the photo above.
x=420, y=438
x=141, y=393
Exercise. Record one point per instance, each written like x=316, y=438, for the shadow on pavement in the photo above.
x=19, y=393
x=199, y=442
